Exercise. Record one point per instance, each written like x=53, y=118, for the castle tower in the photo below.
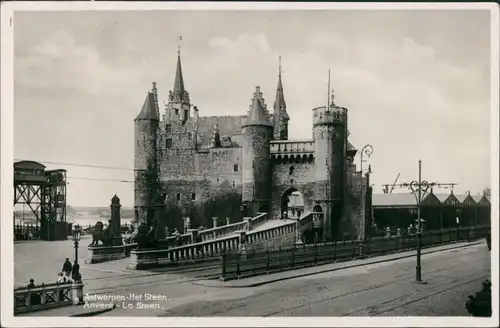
x=145, y=168
x=280, y=115
x=178, y=100
x=329, y=143
x=256, y=164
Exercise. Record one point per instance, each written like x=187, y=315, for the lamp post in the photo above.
x=77, y=286
x=77, y=233
x=368, y=151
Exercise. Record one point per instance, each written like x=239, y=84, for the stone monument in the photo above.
x=112, y=247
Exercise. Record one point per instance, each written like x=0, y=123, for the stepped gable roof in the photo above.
x=257, y=114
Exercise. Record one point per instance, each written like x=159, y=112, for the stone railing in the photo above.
x=182, y=254
x=256, y=237
x=219, y=232
x=260, y=219
x=292, y=147
x=29, y=299
x=304, y=223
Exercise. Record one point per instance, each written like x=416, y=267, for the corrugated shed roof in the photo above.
x=394, y=199
x=401, y=200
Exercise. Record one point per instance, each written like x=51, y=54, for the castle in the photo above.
x=196, y=158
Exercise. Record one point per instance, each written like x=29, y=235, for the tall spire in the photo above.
x=279, y=102
x=179, y=80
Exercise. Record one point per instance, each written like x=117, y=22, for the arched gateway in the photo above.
x=292, y=204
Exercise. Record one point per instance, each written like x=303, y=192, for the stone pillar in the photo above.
x=228, y=221
x=214, y=220
x=398, y=233
x=242, y=242
x=116, y=221
x=388, y=232
x=187, y=224
x=194, y=235
x=247, y=220
x=159, y=215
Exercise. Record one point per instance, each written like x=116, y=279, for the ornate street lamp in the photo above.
x=368, y=151
x=77, y=287
x=417, y=188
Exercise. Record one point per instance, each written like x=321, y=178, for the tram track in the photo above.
x=369, y=288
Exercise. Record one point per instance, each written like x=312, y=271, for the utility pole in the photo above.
x=418, y=188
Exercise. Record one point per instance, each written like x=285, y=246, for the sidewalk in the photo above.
x=67, y=311
x=285, y=275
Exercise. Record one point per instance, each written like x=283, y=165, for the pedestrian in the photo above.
x=61, y=278
x=75, y=274
x=178, y=238
x=67, y=268
x=31, y=284
x=285, y=215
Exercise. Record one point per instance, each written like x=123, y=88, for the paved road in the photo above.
x=386, y=289
x=379, y=289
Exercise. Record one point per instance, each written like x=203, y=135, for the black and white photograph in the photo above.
x=314, y=164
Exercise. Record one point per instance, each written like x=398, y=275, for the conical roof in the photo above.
x=279, y=102
x=148, y=111
x=179, y=79
x=257, y=114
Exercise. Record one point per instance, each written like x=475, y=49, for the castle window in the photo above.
x=233, y=183
x=321, y=134
x=189, y=136
x=193, y=196
x=168, y=128
x=168, y=143
x=176, y=111
x=235, y=167
x=178, y=196
x=291, y=170
x=217, y=180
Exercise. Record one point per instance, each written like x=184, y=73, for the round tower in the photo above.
x=329, y=135
x=256, y=162
x=145, y=167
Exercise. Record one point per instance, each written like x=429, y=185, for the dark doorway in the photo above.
x=292, y=204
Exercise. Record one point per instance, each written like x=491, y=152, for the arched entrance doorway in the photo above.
x=317, y=226
x=292, y=204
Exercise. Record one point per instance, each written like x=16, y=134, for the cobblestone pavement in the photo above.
x=378, y=289
x=384, y=289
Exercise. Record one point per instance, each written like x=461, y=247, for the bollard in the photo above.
x=77, y=292
x=267, y=260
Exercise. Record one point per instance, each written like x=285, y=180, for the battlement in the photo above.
x=292, y=147
x=334, y=116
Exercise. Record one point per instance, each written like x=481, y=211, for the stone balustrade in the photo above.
x=43, y=297
x=255, y=237
x=218, y=232
x=292, y=147
x=261, y=218
x=183, y=254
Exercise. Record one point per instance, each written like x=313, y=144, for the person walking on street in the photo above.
x=67, y=268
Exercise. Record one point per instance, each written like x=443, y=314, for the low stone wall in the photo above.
x=192, y=253
x=282, y=236
x=42, y=297
x=100, y=254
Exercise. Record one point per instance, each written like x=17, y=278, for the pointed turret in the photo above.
x=149, y=109
x=280, y=116
x=179, y=80
x=257, y=114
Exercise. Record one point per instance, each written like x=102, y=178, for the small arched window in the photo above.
x=291, y=169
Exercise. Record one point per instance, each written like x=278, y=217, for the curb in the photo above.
x=93, y=313
x=336, y=269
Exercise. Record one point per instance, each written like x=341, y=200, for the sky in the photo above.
x=416, y=83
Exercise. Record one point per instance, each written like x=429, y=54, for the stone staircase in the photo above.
x=252, y=234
